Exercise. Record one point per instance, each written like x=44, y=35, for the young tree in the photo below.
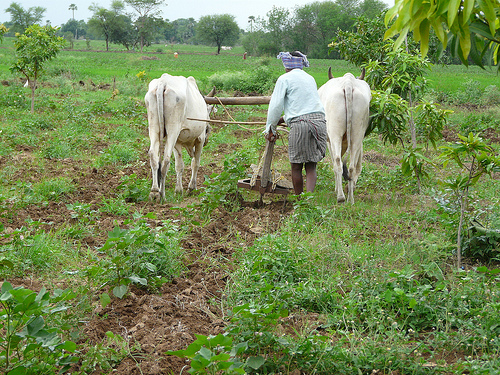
x=475, y=159
x=102, y=22
x=22, y=18
x=148, y=13
x=37, y=45
x=278, y=27
x=474, y=25
x=218, y=29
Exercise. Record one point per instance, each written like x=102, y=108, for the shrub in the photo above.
x=491, y=95
x=260, y=80
x=27, y=343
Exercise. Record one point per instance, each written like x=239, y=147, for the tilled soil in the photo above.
x=151, y=323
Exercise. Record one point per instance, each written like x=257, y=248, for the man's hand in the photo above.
x=270, y=136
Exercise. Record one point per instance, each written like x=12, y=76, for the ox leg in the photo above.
x=179, y=168
x=154, y=161
x=335, y=153
x=165, y=164
x=354, y=169
x=195, y=164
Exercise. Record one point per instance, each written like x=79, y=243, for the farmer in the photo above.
x=296, y=94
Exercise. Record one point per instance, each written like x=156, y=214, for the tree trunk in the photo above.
x=33, y=88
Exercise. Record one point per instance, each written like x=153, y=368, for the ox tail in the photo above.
x=208, y=130
x=158, y=172
x=348, y=88
x=160, y=89
x=345, y=172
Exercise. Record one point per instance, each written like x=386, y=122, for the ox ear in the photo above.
x=211, y=94
x=362, y=76
x=330, y=75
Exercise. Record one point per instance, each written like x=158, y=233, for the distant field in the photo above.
x=202, y=61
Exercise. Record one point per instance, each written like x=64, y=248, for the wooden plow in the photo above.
x=263, y=179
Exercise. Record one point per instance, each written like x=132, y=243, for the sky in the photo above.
x=58, y=13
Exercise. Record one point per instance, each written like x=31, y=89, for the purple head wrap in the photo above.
x=293, y=62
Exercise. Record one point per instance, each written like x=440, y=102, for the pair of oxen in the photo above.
x=175, y=107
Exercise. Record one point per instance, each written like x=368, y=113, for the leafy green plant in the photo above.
x=107, y=354
x=115, y=206
x=82, y=212
x=474, y=158
x=140, y=255
x=222, y=188
x=216, y=355
x=483, y=240
x=27, y=342
x=134, y=189
x=256, y=325
x=478, y=122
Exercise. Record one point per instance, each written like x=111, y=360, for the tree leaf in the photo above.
x=453, y=7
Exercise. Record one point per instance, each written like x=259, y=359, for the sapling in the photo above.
x=474, y=158
x=37, y=45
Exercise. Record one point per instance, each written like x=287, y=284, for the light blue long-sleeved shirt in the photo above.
x=295, y=93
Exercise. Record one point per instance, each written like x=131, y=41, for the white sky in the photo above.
x=58, y=13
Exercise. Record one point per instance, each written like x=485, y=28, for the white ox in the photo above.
x=170, y=101
x=347, y=107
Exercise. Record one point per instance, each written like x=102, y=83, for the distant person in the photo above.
x=296, y=94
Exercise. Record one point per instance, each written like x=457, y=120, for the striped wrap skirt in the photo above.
x=307, y=138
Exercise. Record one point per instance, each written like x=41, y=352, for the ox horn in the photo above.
x=330, y=75
x=362, y=76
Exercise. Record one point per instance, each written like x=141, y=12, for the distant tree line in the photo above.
x=309, y=28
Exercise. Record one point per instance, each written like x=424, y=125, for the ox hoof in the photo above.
x=191, y=191
x=341, y=200
x=155, y=196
